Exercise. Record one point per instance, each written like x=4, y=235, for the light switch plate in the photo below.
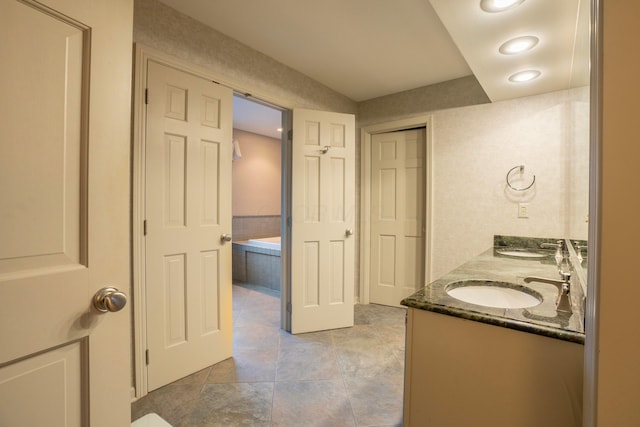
x=523, y=210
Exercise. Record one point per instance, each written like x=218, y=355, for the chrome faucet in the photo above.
x=579, y=249
x=560, y=246
x=563, y=303
x=562, y=255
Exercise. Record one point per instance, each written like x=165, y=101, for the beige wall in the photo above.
x=618, y=373
x=256, y=176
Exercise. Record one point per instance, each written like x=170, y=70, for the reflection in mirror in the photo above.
x=542, y=124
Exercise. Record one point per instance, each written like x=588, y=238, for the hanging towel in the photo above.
x=237, y=155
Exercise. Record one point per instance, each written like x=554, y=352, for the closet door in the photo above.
x=397, y=215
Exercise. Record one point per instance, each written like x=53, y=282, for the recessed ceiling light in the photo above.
x=518, y=45
x=279, y=129
x=524, y=76
x=498, y=5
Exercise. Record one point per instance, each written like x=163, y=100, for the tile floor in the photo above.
x=344, y=377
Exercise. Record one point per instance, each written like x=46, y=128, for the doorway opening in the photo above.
x=161, y=97
x=257, y=183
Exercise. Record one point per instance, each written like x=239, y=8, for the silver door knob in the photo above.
x=109, y=299
x=349, y=232
x=225, y=238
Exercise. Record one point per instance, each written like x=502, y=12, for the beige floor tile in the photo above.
x=314, y=361
x=227, y=405
x=311, y=403
x=345, y=377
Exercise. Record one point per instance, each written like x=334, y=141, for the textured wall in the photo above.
x=474, y=147
x=160, y=27
x=454, y=93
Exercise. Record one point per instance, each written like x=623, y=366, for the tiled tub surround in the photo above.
x=255, y=227
x=468, y=364
x=543, y=319
x=256, y=265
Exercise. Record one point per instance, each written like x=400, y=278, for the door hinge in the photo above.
x=146, y=96
x=146, y=356
x=144, y=227
x=290, y=134
x=288, y=307
x=289, y=221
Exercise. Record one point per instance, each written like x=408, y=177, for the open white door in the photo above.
x=188, y=223
x=65, y=77
x=323, y=220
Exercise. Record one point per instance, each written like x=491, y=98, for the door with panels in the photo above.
x=397, y=215
x=323, y=220
x=188, y=223
x=65, y=73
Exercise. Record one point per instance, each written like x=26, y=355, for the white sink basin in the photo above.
x=521, y=253
x=493, y=294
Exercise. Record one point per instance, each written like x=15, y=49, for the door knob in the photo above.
x=349, y=232
x=109, y=299
x=225, y=238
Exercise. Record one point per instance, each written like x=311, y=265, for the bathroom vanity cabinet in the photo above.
x=461, y=372
x=478, y=363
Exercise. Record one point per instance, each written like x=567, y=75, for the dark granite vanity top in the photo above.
x=542, y=319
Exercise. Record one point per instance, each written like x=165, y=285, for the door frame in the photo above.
x=366, y=133
x=142, y=55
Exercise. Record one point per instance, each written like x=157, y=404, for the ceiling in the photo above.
x=365, y=49
x=360, y=48
x=254, y=117
x=561, y=54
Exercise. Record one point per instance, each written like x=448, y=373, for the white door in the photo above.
x=323, y=219
x=188, y=210
x=65, y=76
x=397, y=215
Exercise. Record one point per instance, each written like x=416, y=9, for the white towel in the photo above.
x=237, y=155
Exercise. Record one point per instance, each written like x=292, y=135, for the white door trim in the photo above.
x=144, y=54
x=365, y=194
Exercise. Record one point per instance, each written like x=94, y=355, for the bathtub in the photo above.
x=267, y=242
x=257, y=261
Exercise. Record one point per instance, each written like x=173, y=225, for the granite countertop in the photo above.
x=542, y=319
